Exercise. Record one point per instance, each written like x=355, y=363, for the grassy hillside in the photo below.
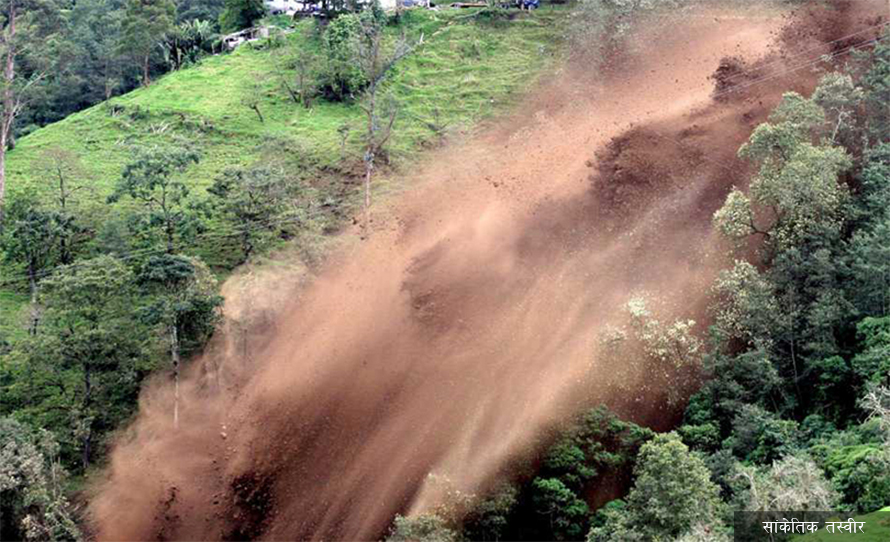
x=465, y=70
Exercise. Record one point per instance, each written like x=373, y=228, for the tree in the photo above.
x=145, y=23
x=340, y=77
x=253, y=97
x=200, y=10
x=95, y=37
x=301, y=85
x=89, y=326
x=376, y=61
x=422, y=528
x=187, y=42
x=154, y=178
x=241, y=14
x=62, y=170
x=253, y=201
x=25, y=27
x=672, y=494
x=876, y=84
x=31, y=240
x=792, y=483
x=796, y=191
x=565, y=512
x=489, y=519
x=184, y=304
x=33, y=506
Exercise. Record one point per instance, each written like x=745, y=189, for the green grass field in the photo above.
x=465, y=71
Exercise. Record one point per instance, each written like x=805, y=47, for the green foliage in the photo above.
x=597, y=443
x=672, y=493
x=796, y=192
x=143, y=23
x=241, y=14
x=861, y=473
x=565, y=513
x=79, y=370
x=490, y=518
x=33, y=506
x=422, y=528
x=155, y=178
x=759, y=436
x=261, y=203
x=183, y=296
x=876, y=83
x=872, y=363
x=200, y=10
x=341, y=78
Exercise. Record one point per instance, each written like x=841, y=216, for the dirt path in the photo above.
x=471, y=322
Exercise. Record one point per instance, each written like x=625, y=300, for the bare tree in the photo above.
x=376, y=60
x=254, y=97
x=299, y=85
x=15, y=87
x=63, y=171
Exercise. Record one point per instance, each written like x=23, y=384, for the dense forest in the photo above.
x=117, y=279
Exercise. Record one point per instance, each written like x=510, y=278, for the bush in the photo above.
x=340, y=78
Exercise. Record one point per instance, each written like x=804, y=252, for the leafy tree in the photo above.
x=241, y=14
x=187, y=42
x=89, y=329
x=566, y=514
x=97, y=66
x=422, y=528
x=761, y=437
x=144, y=24
x=341, y=78
x=31, y=240
x=672, y=489
x=872, y=363
x=840, y=99
x=876, y=84
x=154, y=178
x=200, y=10
x=672, y=494
x=184, y=304
x=33, y=506
x=490, y=518
x=554, y=506
x=253, y=201
x=796, y=192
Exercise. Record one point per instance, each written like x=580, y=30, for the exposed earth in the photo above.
x=470, y=323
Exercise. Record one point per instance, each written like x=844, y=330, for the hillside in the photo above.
x=465, y=70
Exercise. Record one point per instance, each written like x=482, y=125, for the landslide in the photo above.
x=468, y=326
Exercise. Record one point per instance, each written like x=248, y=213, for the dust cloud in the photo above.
x=468, y=326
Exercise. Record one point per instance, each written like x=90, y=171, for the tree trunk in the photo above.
x=174, y=350
x=369, y=153
x=32, y=281
x=369, y=168
x=256, y=108
x=2, y=178
x=87, y=401
x=9, y=106
x=170, y=230
x=145, y=78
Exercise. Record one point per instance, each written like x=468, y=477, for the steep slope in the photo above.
x=464, y=71
x=471, y=323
